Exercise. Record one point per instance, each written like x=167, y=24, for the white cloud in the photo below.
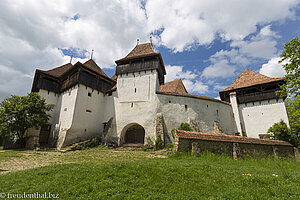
x=195, y=86
x=190, y=79
x=199, y=22
x=176, y=72
x=220, y=68
x=273, y=68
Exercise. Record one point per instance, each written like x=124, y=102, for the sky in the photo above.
x=206, y=43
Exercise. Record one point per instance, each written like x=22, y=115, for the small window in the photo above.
x=268, y=101
x=253, y=103
x=109, y=93
x=88, y=110
x=84, y=130
x=186, y=108
x=48, y=92
x=259, y=102
x=89, y=94
x=217, y=112
x=131, y=105
x=134, y=90
x=169, y=101
x=65, y=109
x=69, y=93
x=207, y=106
x=277, y=100
x=246, y=104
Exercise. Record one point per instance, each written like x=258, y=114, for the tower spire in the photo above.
x=92, y=53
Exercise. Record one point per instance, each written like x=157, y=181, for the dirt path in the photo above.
x=34, y=159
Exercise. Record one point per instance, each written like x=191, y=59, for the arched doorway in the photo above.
x=135, y=134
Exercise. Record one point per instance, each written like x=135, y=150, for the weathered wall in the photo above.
x=232, y=149
x=178, y=109
x=136, y=102
x=258, y=117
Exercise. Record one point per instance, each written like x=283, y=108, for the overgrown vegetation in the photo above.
x=136, y=175
x=280, y=131
x=18, y=113
x=185, y=127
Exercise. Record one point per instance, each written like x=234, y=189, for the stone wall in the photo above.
x=233, y=146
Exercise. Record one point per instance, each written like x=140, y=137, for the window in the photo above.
x=69, y=93
x=131, y=105
x=65, y=109
x=134, y=90
x=186, y=108
x=217, y=112
x=207, y=106
x=169, y=101
x=89, y=94
x=88, y=110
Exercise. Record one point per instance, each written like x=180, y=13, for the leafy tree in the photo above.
x=18, y=113
x=293, y=110
x=185, y=127
x=291, y=53
x=280, y=131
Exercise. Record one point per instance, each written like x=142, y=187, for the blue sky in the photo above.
x=206, y=43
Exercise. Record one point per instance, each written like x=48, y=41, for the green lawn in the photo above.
x=139, y=175
x=8, y=154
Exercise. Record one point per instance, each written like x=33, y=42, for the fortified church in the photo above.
x=136, y=105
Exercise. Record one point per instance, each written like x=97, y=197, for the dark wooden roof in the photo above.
x=227, y=138
x=175, y=86
x=58, y=71
x=250, y=78
x=114, y=77
x=93, y=66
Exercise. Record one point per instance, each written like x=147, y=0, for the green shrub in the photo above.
x=148, y=147
x=159, y=144
x=185, y=127
x=169, y=146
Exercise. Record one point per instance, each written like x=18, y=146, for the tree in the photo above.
x=291, y=53
x=293, y=110
x=281, y=131
x=18, y=113
x=185, y=127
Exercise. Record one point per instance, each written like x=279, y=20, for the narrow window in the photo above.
x=169, y=101
x=88, y=110
x=89, y=94
x=48, y=92
x=131, y=105
x=259, y=102
x=134, y=90
x=253, y=103
x=84, y=130
x=217, y=112
x=186, y=108
x=207, y=106
x=277, y=100
x=69, y=93
x=268, y=101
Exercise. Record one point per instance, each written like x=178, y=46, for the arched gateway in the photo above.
x=134, y=134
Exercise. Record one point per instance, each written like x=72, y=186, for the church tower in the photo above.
x=255, y=103
x=140, y=74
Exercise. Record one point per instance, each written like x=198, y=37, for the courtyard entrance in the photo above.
x=135, y=134
x=44, y=135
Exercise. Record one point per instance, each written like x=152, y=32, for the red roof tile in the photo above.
x=249, y=78
x=140, y=50
x=227, y=138
x=193, y=96
x=175, y=86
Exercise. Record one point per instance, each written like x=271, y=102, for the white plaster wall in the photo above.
x=136, y=106
x=110, y=112
x=258, y=118
x=67, y=100
x=205, y=112
x=87, y=116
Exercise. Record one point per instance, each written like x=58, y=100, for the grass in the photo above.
x=8, y=154
x=102, y=174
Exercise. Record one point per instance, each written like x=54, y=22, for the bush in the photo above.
x=169, y=146
x=159, y=144
x=185, y=127
x=280, y=131
x=148, y=147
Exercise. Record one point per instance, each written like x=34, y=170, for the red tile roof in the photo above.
x=249, y=78
x=175, y=86
x=140, y=50
x=193, y=96
x=227, y=138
